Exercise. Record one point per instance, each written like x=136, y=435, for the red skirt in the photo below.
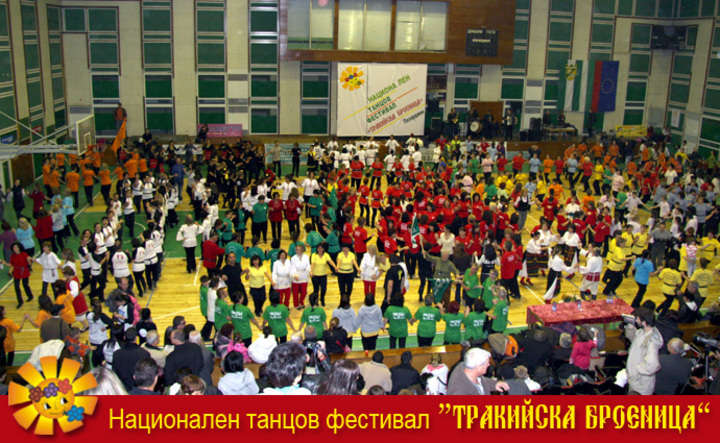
x=80, y=304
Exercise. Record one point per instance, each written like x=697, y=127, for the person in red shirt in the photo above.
x=559, y=165
x=501, y=164
x=210, y=253
x=43, y=229
x=375, y=203
x=20, y=263
x=360, y=239
x=275, y=215
x=293, y=208
x=356, y=167
x=588, y=168
x=508, y=268
x=347, y=230
x=377, y=173
x=550, y=206
x=364, y=194
x=518, y=162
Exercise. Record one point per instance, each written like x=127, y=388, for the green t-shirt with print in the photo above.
x=453, y=326
x=272, y=255
x=222, y=312
x=500, y=311
x=235, y=248
x=398, y=317
x=314, y=317
x=487, y=295
x=241, y=316
x=318, y=203
x=333, y=242
x=260, y=212
x=428, y=317
x=253, y=251
x=276, y=317
x=203, y=300
x=313, y=240
x=228, y=230
x=474, y=323
x=241, y=221
x=471, y=280
x=491, y=190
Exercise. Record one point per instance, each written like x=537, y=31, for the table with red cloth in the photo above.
x=593, y=312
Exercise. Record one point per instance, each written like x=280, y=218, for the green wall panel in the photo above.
x=74, y=20
x=689, y=8
x=157, y=20
x=104, y=19
x=32, y=56
x=4, y=27
x=551, y=89
x=105, y=86
x=103, y=53
x=641, y=34
x=625, y=7
x=315, y=89
x=679, y=92
x=605, y=6
x=640, y=63
x=263, y=21
x=644, y=8
x=519, y=59
x=261, y=121
x=7, y=105
x=35, y=95
x=602, y=33
x=560, y=31
x=710, y=130
x=521, y=29
x=708, y=8
x=56, y=54
x=714, y=70
x=104, y=120
x=210, y=21
x=58, y=87
x=512, y=89
x=211, y=53
x=561, y=5
x=6, y=71
x=53, y=18
x=263, y=86
x=60, y=118
x=157, y=53
x=29, y=22
x=211, y=116
x=264, y=53
x=158, y=86
x=314, y=124
x=556, y=60
x=466, y=90
x=211, y=86
x=712, y=98
x=633, y=117
x=636, y=91
x=159, y=119
x=682, y=64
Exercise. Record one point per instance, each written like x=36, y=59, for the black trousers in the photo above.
x=355, y=183
x=425, y=341
x=71, y=225
x=294, y=226
x=26, y=286
x=151, y=274
x=258, y=296
x=395, y=341
x=586, y=183
x=105, y=191
x=276, y=229
x=345, y=283
x=373, y=217
x=296, y=168
x=637, y=301
x=369, y=343
x=320, y=286
x=206, y=330
x=97, y=287
x=259, y=229
x=278, y=168
x=665, y=305
x=130, y=224
x=365, y=211
x=373, y=180
x=76, y=199
x=614, y=280
x=140, y=282
x=511, y=284
x=89, y=194
x=190, y=257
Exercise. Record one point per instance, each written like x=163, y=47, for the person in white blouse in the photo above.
x=300, y=276
x=187, y=234
x=392, y=145
x=531, y=269
x=572, y=244
x=281, y=276
x=591, y=272
x=446, y=239
x=369, y=271
x=121, y=264
x=557, y=267
x=286, y=187
x=50, y=262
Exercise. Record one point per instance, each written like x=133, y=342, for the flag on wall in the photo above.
x=605, y=86
x=572, y=89
x=119, y=137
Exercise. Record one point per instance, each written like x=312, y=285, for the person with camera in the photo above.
x=643, y=356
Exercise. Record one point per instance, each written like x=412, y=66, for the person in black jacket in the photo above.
x=146, y=377
x=335, y=337
x=674, y=369
x=404, y=375
x=125, y=358
x=184, y=354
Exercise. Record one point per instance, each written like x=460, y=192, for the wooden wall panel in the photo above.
x=462, y=15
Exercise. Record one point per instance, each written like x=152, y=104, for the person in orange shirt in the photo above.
x=105, y=183
x=614, y=150
x=54, y=180
x=60, y=162
x=582, y=149
x=598, y=151
x=606, y=160
x=645, y=155
x=73, y=159
x=586, y=201
x=613, y=164
x=569, y=152
x=96, y=161
x=46, y=176
x=558, y=189
x=142, y=167
x=132, y=168
x=547, y=167
x=72, y=180
x=631, y=168
x=89, y=180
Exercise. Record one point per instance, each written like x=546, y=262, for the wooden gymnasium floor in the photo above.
x=177, y=293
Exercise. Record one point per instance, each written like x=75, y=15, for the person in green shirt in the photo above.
x=428, y=316
x=315, y=204
x=489, y=286
x=474, y=321
x=397, y=316
x=222, y=310
x=260, y=218
x=499, y=314
x=491, y=190
x=227, y=228
x=294, y=237
x=273, y=253
x=453, y=323
x=241, y=316
x=333, y=242
x=277, y=316
x=235, y=247
x=474, y=166
x=313, y=238
x=255, y=250
x=314, y=316
x=240, y=225
x=472, y=289
x=204, y=287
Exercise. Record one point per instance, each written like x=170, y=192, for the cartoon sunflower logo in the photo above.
x=350, y=78
x=52, y=396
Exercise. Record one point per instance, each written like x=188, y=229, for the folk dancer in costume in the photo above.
x=571, y=242
x=591, y=272
x=554, y=280
x=531, y=266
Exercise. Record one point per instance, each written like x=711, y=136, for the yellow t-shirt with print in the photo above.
x=671, y=279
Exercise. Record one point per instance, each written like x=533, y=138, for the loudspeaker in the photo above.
x=523, y=135
x=535, y=124
x=535, y=135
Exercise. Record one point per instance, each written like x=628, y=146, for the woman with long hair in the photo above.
x=346, y=267
x=187, y=234
x=342, y=379
x=98, y=323
x=256, y=275
x=25, y=236
x=336, y=337
x=320, y=266
x=72, y=285
x=369, y=271
x=20, y=263
x=11, y=327
x=281, y=276
x=300, y=264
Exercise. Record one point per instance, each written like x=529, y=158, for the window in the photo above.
x=420, y=26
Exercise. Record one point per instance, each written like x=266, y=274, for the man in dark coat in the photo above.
x=125, y=358
x=184, y=355
x=469, y=378
x=674, y=369
x=404, y=375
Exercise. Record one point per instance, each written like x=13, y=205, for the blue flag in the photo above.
x=605, y=86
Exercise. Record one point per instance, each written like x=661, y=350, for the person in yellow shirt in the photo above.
x=256, y=275
x=10, y=327
x=541, y=189
x=346, y=267
x=320, y=264
x=671, y=282
x=64, y=299
x=640, y=241
x=597, y=184
x=617, y=262
x=628, y=246
x=709, y=247
x=703, y=277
